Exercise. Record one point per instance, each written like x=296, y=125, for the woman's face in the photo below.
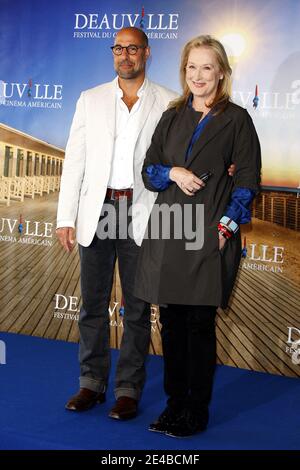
x=203, y=73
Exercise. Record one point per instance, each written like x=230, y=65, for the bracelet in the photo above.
x=224, y=231
x=224, y=228
x=229, y=223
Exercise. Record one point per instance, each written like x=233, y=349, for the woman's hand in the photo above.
x=222, y=241
x=186, y=180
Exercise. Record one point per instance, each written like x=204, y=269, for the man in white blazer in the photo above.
x=110, y=134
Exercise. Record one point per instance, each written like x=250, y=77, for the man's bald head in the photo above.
x=138, y=33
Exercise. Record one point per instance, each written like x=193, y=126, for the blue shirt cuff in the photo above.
x=238, y=208
x=159, y=176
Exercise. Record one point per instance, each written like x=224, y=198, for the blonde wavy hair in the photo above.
x=224, y=87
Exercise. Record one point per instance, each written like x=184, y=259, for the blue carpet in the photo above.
x=249, y=410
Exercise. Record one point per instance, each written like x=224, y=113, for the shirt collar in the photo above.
x=141, y=90
x=190, y=106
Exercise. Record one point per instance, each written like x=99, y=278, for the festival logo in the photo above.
x=66, y=307
x=31, y=95
x=28, y=232
x=259, y=257
x=279, y=103
x=106, y=26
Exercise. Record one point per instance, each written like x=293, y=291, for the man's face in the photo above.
x=130, y=66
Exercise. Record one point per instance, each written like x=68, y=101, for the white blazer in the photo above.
x=88, y=158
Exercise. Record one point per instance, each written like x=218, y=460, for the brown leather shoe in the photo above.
x=84, y=400
x=125, y=408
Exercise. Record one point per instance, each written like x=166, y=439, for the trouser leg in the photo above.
x=97, y=267
x=134, y=349
x=201, y=355
x=175, y=350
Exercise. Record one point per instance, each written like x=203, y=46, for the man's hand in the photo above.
x=66, y=237
x=231, y=169
x=186, y=180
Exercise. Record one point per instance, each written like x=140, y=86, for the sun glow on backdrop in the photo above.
x=236, y=46
x=234, y=43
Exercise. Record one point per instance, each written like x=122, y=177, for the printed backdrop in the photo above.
x=49, y=53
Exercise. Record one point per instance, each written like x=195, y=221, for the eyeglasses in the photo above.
x=131, y=49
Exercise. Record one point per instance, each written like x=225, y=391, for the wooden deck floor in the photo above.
x=251, y=334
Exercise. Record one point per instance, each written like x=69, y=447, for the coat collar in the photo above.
x=211, y=130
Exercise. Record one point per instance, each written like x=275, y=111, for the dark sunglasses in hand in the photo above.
x=131, y=49
x=205, y=176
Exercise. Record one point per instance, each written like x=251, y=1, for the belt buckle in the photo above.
x=124, y=196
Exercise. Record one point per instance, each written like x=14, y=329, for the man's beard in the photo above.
x=130, y=74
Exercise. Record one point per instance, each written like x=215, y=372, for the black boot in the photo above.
x=165, y=420
x=188, y=423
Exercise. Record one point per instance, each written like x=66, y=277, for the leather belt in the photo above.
x=116, y=194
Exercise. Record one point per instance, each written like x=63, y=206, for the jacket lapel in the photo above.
x=210, y=131
x=147, y=105
x=103, y=109
x=109, y=105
